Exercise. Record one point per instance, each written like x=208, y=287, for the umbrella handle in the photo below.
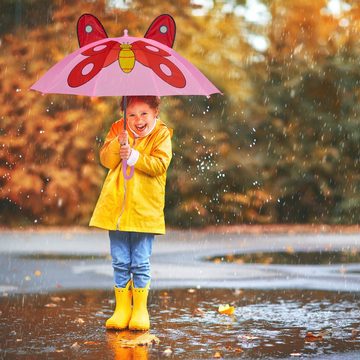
x=124, y=168
x=124, y=162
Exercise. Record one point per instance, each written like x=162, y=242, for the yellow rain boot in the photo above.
x=122, y=314
x=140, y=317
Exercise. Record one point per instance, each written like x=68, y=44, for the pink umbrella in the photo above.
x=125, y=66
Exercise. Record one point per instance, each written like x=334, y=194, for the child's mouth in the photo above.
x=140, y=127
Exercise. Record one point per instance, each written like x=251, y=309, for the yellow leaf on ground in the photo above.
x=226, y=309
x=141, y=340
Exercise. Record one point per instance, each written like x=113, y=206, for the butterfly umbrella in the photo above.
x=125, y=66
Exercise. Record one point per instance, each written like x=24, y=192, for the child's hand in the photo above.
x=125, y=152
x=123, y=137
x=125, y=149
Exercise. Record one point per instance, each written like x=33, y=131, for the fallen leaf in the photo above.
x=37, y=273
x=248, y=337
x=27, y=278
x=57, y=299
x=75, y=346
x=289, y=250
x=91, y=343
x=51, y=305
x=59, y=351
x=295, y=354
x=226, y=309
x=79, y=321
x=311, y=337
x=198, y=312
x=354, y=333
x=191, y=291
x=164, y=295
x=141, y=340
x=267, y=260
x=217, y=355
x=167, y=352
x=238, y=292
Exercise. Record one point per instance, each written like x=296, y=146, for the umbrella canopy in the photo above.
x=125, y=66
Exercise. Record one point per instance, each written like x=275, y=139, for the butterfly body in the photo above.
x=126, y=58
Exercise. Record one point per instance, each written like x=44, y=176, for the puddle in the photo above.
x=266, y=324
x=291, y=258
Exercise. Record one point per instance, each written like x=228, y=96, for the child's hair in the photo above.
x=152, y=101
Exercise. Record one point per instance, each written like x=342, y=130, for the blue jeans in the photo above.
x=130, y=252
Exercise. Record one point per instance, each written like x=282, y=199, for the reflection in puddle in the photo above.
x=265, y=324
x=291, y=258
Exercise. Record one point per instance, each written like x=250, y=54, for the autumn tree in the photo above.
x=309, y=138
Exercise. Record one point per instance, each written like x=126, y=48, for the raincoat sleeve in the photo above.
x=110, y=151
x=159, y=159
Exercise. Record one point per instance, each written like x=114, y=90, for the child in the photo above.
x=132, y=210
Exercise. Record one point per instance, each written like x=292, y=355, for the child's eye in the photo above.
x=144, y=113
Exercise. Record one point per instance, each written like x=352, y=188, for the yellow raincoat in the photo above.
x=142, y=207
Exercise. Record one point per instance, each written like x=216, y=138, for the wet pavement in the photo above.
x=55, y=295
x=266, y=324
x=49, y=261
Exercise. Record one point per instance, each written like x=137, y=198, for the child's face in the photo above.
x=140, y=117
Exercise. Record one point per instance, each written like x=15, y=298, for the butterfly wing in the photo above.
x=157, y=60
x=89, y=29
x=163, y=30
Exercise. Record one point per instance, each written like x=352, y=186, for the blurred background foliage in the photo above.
x=280, y=146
